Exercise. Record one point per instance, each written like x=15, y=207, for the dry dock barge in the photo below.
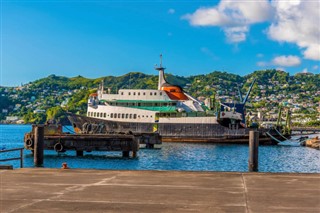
x=53, y=138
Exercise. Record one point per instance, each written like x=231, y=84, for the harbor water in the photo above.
x=288, y=156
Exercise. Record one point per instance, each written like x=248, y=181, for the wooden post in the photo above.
x=38, y=145
x=125, y=154
x=79, y=153
x=134, y=154
x=253, y=150
x=135, y=146
x=149, y=146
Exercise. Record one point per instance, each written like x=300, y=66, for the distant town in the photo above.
x=48, y=98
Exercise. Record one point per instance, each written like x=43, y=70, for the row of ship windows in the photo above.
x=116, y=115
x=143, y=104
x=138, y=93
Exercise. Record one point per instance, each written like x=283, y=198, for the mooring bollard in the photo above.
x=65, y=166
x=253, y=151
x=38, y=145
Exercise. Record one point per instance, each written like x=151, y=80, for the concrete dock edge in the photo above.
x=57, y=190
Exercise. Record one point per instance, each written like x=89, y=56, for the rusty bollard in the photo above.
x=65, y=166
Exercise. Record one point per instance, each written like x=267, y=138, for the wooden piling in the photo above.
x=79, y=153
x=149, y=146
x=134, y=154
x=253, y=151
x=125, y=153
x=38, y=145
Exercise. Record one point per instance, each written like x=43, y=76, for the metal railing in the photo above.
x=9, y=159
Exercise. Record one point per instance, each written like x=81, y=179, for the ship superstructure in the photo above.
x=168, y=104
x=168, y=110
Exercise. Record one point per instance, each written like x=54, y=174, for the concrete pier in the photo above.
x=72, y=190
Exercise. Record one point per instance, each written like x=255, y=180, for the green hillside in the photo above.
x=55, y=94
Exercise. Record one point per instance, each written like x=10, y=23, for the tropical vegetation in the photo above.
x=48, y=98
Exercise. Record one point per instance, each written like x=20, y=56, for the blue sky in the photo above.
x=101, y=38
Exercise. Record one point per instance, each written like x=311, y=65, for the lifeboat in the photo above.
x=174, y=92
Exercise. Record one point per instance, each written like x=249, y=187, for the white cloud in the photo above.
x=283, y=61
x=260, y=55
x=171, y=11
x=234, y=17
x=292, y=21
x=208, y=17
x=305, y=70
x=236, y=34
x=287, y=61
x=298, y=22
x=315, y=67
x=312, y=51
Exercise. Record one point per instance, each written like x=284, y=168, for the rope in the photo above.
x=273, y=138
x=286, y=138
x=279, y=140
x=281, y=134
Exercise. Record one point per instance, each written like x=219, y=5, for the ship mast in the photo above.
x=161, y=69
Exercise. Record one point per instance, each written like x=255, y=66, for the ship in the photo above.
x=168, y=110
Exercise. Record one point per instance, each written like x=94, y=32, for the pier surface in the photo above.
x=72, y=190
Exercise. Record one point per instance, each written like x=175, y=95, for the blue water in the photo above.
x=288, y=157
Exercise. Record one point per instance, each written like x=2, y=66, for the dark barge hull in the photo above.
x=171, y=132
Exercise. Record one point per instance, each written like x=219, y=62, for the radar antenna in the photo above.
x=160, y=67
